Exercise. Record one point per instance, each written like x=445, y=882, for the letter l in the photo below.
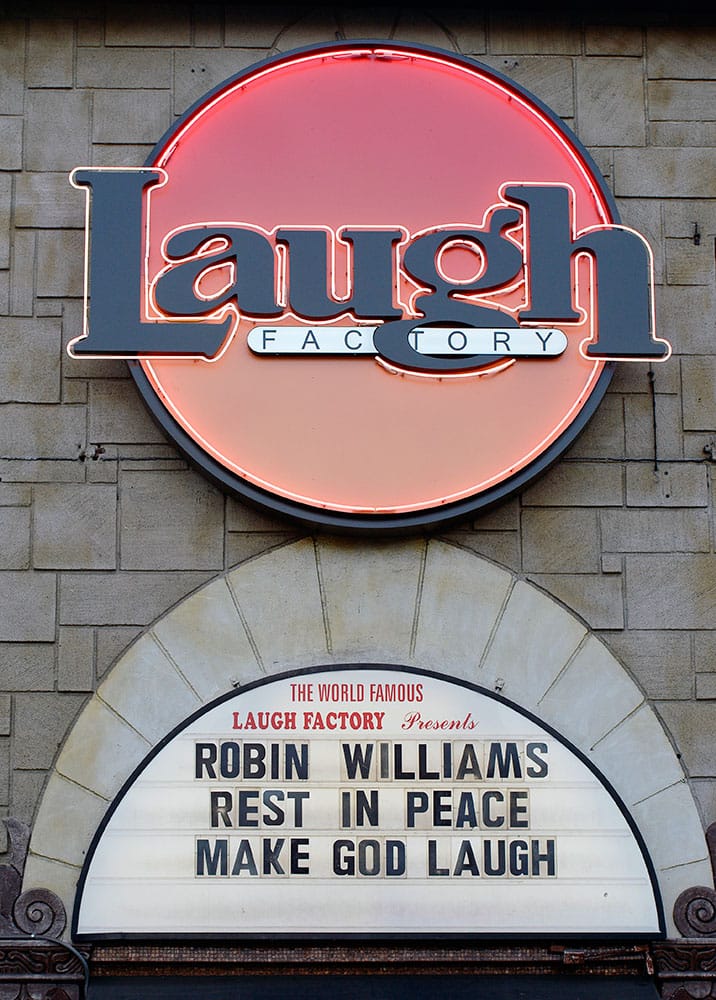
x=115, y=326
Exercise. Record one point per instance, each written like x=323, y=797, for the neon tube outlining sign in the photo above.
x=371, y=286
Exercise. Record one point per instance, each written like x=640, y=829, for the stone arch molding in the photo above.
x=424, y=604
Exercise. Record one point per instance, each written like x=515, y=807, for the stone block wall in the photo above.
x=103, y=526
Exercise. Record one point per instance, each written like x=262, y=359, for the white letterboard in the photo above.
x=362, y=801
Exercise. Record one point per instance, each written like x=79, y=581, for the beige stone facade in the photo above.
x=590, y=599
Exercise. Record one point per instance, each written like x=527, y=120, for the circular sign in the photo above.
x=389, y=234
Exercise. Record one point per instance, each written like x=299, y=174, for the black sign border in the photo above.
x=368, y=936
x=408, y=522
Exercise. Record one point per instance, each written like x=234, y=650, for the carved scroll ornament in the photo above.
x=31, y=966
x=695, y=908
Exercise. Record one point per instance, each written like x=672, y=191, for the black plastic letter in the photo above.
x=115, y=275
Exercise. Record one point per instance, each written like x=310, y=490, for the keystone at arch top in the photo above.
x=368, y=285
